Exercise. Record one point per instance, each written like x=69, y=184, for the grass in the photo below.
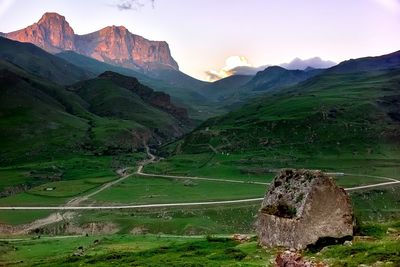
x=258, y=166
x=178, y=221
x=381, y=247
x=17, y=217
x=330, y=122
x=143, y=190
x=73, y=177
x=138, y=250
x=379, y=204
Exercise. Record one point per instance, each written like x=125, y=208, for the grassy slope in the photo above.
x=331, y=122
x=109, y=100
x=186, y=95
x=40, y=63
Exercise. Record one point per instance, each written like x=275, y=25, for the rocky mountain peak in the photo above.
x=52, y=17
x=52, y=33
x=113, y=44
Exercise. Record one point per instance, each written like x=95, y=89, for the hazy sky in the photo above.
x=202, y=34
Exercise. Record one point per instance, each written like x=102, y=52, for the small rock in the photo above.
x=392, y=231
x=241, y=238
x=295, y=259
x=348, y=243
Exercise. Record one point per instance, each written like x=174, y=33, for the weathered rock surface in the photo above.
x=302, y=208
x=294, y=259
x=115, y=45
x=52, y=33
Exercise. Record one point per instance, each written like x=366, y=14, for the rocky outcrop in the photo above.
x=303, y=208
x=52, y=33
x=115, y=45
x=159, y=100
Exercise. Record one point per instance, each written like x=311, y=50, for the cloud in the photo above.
x=132, y=4
x=315, y=62
x=231, y=63
x=239, y=65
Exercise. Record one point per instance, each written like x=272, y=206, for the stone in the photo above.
x=241, y=238
x=294, y=259
x=303, y=208
x=348, y=243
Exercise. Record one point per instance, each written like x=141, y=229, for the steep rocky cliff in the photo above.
x=115, y=45
x=52, y=33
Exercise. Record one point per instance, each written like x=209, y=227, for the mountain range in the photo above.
x=114, y=44
x=113, y=91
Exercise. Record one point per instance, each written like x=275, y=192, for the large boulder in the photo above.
x=303, y=208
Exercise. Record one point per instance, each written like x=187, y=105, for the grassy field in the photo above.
x=258, y=166
x=143, y=190
x=161, y=250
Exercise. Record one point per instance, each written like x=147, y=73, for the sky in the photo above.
x=216, y=35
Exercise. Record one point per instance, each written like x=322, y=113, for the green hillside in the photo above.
x=183, y=89
x=41, y=120
x=108, y=97
x=38, y=62
x=331, y=121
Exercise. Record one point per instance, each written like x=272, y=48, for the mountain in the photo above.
x=275, y=77
x=38, y=62
x=158, y=100
x=183, y=89
x=302, y=64
x=97, y=67
x=295, y=64
x=115, y=45
x=384, y=62
x=220, y=89
x=332, y=116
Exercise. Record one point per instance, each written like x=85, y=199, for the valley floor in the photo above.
x=380, y=247
x=132, y=217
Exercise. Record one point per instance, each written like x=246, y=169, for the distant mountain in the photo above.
x=38, y=62
x=115, y=45
x=276, y=77
x=177, y=78
x=223, y=88
x=384, y=62
x=302, y=64
x=246, y=70
x=97, y=67
x=295, y=64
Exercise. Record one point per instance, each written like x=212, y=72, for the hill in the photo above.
x=306, y=118
x=276, y=77
x=384, y=62
x=42, y=120
x=219, y=90
x=40, y=63
x=181, y=90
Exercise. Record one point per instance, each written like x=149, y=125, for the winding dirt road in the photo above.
x=74, y=204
